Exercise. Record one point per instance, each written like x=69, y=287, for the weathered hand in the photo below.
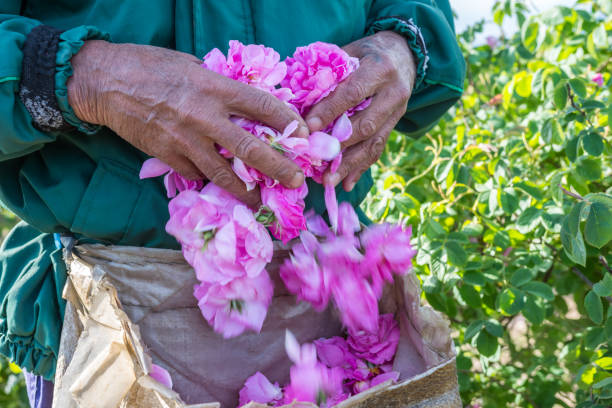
x=386, y=73
x=162, y=102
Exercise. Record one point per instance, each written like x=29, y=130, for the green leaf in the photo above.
x=528, y=220
x=600, y=37
x=486, y=343
x=539, y=289
x=593, y=143
x=472, y=229
x=533, y=311
x=589, y=168
x=474, y=278
x=603, y=383
x=571, y=236
x=598, y=226
x=508, y=201
x=594, y=337
x=558, y=136
x=594, y=307
x=578, y=87
x=511, y=301
x=603, y=288
x=530, y=188
x=494, y=328
x=571, y=148
x=522, y=84
x=521, y=276
x=443, y=169
x=456, y=254
x=604, y=362
x=560, y=95
x=470, y=296
x=501, y=239
x=473, y=329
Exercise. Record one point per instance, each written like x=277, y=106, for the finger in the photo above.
x=184, y=167
x=260, y=156
x=358, y=86
x=358, y=158
x=218, y=170
x=375, y=147
x=367, y=122
x=264, y=107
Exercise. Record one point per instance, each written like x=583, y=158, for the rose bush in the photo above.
x=510, y=201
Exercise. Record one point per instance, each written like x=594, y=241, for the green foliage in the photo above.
x=12, y=387
x=510, y=201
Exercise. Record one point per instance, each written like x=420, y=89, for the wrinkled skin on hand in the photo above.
x=386, y=73
x=164, y=103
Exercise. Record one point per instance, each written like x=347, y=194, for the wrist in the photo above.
x=90, y=66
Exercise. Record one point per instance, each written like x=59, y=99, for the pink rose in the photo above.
x=311, y=381
x=598, y=79
x=388, y=251
x=303, y=276
x=315, y=70
x=288, y=208
x=377, y=347
x=252, y=64
x=237, y=306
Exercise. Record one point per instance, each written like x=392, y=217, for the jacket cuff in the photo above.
x=413, y=36
x=70, y=43
x=37, y=85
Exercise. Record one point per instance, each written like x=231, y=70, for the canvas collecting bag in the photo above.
x=130, y=307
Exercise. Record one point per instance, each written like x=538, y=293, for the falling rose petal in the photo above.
x=292, y=347
x=259, y=389
x=323, y=146
x=161, y=375
x=153, y=168
x=332, y=205
x=333, y=167
x=343, y=129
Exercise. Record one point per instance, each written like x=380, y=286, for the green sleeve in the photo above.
x=18, y=136
x=428, y=28
x=32, y=277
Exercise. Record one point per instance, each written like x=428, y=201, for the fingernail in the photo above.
x=297, y=180
x=348, y=187
x=334, y=179
x=314, y=123
x=302, y=132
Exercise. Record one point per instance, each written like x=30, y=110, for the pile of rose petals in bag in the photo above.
x=229, y=244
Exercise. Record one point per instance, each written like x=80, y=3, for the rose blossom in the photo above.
x=315, y=70
x=388, y=251
x=311, y=381
x=236, y=306
x=376, y=347
x=256, y=65
x=598, y=79
x=288, y=208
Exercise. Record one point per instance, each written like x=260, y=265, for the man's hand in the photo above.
x=165, y=104
x=386, y=73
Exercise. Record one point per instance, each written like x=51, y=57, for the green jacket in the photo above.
x=86, y=181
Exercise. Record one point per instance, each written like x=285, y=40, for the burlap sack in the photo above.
x=128, y=307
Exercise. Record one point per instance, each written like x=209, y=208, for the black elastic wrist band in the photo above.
x=37, y=86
